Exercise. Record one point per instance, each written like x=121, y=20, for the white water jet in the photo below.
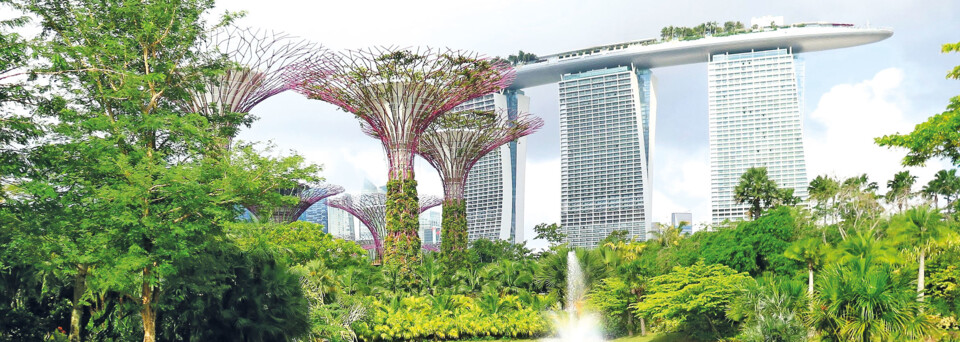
x=578, y=325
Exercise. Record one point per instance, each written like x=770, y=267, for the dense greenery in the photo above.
x=454, y=244
x=119, y=221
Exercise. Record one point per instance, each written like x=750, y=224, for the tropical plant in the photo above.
x=811, y=252
x=760, y=192
x=900, y=189
x=920, y=231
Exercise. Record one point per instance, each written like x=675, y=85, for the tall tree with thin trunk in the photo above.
x=920, y=230
x=901, y=189
x=398, y=93
x=757, y=190
x=809, y=251
x=453, y=143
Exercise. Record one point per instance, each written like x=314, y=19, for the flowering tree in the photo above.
x=257, y=62
x=370, y=210
x=453, y=144
x=306, y=197
x=398, y=93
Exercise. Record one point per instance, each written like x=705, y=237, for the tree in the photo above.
x=938, y=137
x=759, y=191
x=553, y=233
x=397, y=94
x=452, y=144
x=920, y=230
x=694, y=297
x=810, y=252
x=945, y=183
x=151, y=178
x=16, y=130
x=824, y=190
x=900, y=189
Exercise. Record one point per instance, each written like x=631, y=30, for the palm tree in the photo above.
x=900, y=188
x=921, y=230
x=946, y=183
x=668, y=236
x=757, y=189
x=810, y=251
x=824, y=190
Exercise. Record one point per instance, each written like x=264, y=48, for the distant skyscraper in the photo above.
x=755, y=111
x=684, y=221
x=317, y=213
x=430, y=227
x=341, y=224
x=607, y=121
x=494, y=191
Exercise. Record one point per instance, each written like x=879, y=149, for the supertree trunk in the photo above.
x=454, y=231
x=402, y=243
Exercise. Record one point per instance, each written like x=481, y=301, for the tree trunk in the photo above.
x=76, y=314
x=402, y=243
x=810, y=280
x=629, y=323
x=643, y=327
x=920, y=277
x=147, y=312
x=454, y=243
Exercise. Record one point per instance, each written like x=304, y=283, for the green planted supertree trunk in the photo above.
x=454, y=225
x=402, y=243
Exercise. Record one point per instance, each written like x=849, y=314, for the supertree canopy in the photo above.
x=307, y=195
x=453, y=143
x=257, y=63
x=370, y=209
x=398, y=93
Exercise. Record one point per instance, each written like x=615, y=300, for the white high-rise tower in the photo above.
x=755, y=111
x=495, y=184
x=607, y=119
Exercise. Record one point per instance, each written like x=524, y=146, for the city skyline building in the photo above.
x=430, y=221
x=755, y=102
x=494, y=192
x=606, y=128
x=317, y=213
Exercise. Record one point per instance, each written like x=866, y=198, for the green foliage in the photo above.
x=760, y=192
x=454, y=232
x=612, y=297
x=402, y=243
x=771, y=312
x=754, y=246
x=451, y=317
x=483, y=251
x=693, y=299
x=553, y=233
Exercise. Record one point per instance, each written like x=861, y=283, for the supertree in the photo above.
x=398, y=93
x=453, y=144
x=370, y=209
x=306, y=195
x=257, y=60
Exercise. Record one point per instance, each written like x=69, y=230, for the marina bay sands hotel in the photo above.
x=608, y=113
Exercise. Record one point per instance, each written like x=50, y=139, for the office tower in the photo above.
x=341, y=224
x=684, y=221
x=494, y=191
x=755, y=114
x=317, y=213
x=430, y=227
x=607, y=119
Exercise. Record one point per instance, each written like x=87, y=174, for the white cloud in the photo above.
x=852, y=115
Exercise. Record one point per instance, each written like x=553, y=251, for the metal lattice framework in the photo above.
x=259, y=60
x=370, y=209
x=397, y=92
x=454, y=142
x=308, y=196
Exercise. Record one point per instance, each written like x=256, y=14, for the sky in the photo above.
x=851, y=95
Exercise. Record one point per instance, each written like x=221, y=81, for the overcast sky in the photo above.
x=852, y=95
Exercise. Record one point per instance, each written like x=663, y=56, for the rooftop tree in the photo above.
x=256, y=61
x=398, y=93
x=452, y=144
x=370, y=210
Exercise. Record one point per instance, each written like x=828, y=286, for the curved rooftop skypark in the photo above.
x=608, y=111
x=652, y=53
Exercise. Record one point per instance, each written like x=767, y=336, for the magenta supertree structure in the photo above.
x=452, y=144
x=306, y=195
x=370, y=209
x=398, y=93
x=257, y=61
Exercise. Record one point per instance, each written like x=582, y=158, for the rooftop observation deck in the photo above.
x=651, y=53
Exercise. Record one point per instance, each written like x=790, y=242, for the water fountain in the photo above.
x=578, y=325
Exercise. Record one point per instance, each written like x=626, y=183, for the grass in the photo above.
x=649, y=338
